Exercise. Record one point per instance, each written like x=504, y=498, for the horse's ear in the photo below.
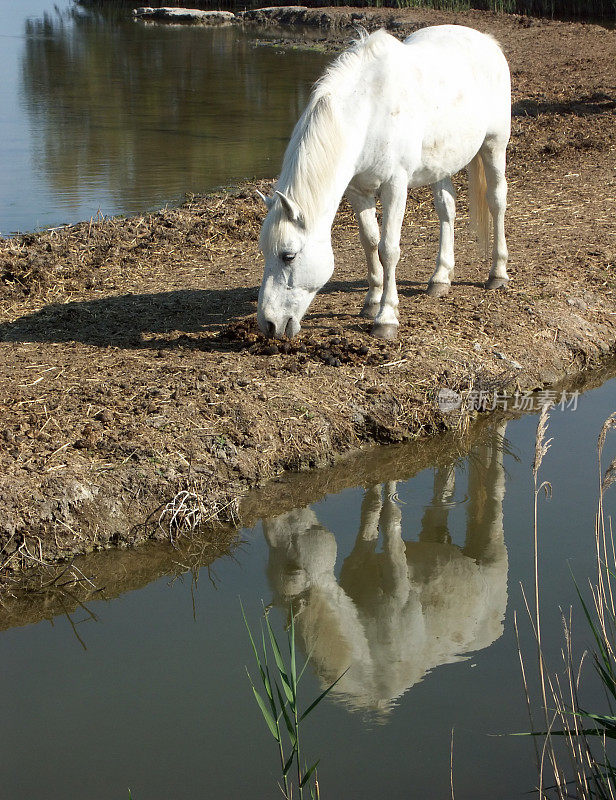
x=291, y=209
x=269, y=201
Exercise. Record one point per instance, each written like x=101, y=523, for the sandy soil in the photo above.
x=131, y=369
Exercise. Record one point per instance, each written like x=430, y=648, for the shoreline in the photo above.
x=132, y=370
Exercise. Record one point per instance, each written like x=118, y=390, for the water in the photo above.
x=100, y=113
x=159, y=701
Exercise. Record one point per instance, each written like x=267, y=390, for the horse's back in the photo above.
x=429, y=103
x=453, y=42
x=455, y=56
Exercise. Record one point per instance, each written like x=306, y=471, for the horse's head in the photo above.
x=298, y=262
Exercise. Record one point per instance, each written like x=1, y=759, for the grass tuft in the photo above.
x=281, y=702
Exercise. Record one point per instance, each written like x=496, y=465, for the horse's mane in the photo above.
x=319, y=139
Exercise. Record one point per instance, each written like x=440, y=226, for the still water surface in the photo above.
x=103, y=113
x=411, y=580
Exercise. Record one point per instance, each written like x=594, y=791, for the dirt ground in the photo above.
x=131, y=369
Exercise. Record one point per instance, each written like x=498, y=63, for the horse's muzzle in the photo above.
x=288, y=327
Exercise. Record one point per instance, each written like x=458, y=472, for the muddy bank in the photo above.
x=44, y=592
x=47, y=591
x=131, y=369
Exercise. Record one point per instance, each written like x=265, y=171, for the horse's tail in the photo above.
x=478, y=204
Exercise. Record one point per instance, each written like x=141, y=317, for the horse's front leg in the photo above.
x=434, y=523
x=393, y=199
x=371, y=506
x=445, y=205
x=361, y=558
x=364, y=206
x=395, y=573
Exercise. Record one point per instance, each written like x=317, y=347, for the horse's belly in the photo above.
x=427, y=145
x=442, y=156
x=450, y=137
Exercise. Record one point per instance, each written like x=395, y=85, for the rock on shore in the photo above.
x=193, y=16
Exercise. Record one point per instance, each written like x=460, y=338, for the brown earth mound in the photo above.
x=132, y=373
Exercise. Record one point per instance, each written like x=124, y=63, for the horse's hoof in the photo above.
x=497, y=283
x=384, y=330
x=438, y=289
x=370, y=310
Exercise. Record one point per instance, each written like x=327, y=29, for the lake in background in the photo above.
x=102, y=113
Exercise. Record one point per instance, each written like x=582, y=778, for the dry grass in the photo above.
x=188, y=511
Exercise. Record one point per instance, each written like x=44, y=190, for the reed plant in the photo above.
x=280, y=707
x=573, y=750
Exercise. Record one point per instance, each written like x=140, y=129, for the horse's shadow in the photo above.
x=586, y=105
x=142, y=321
x=133, y=320
x=405, y=287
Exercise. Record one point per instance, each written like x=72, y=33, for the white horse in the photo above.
x=385, y=116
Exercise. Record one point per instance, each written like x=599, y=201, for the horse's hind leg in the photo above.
x=493, y=155
x=365, y=213
x=445, y=205
x=486, y=490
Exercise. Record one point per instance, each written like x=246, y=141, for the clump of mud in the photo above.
x=338, y=349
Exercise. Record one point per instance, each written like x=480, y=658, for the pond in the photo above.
x=411, y=581
x=104, y=114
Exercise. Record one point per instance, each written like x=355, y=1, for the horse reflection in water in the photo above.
x=401, y=611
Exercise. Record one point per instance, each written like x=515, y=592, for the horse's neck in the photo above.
x=331, y=199
x=319, y=162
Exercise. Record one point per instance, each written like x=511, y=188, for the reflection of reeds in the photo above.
x=581, y=767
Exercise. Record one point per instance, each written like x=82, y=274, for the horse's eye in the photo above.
x=287, y=257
